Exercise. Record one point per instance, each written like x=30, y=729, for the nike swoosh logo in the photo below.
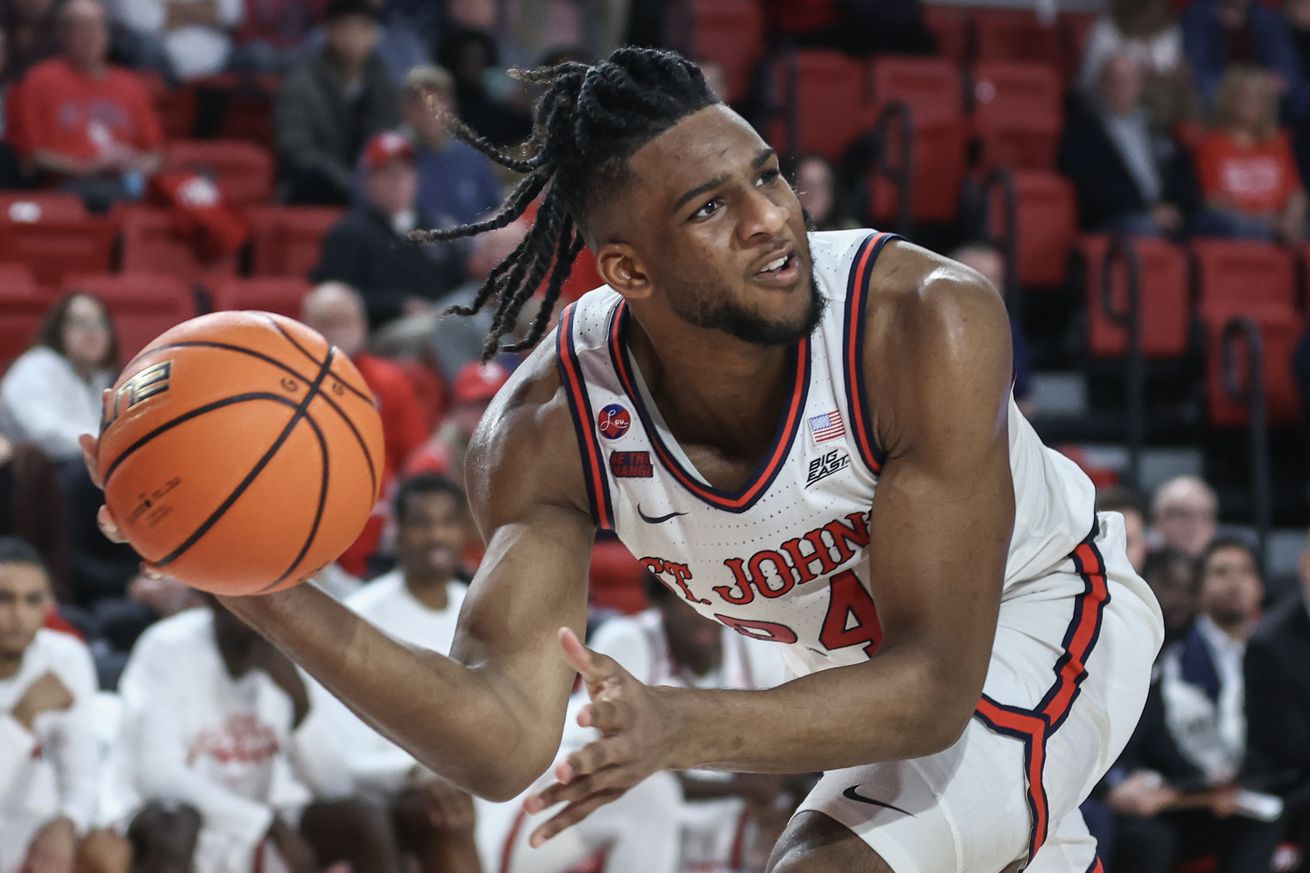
x=657, y=519
x=852, y=794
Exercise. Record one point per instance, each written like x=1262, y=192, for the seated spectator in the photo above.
x=370, y=250
x=1248, y=174
x=417, y=603
x=336, y=311
x=456, y=184
x=987, y=260
x=329, y=107
x=84, y=125
x=51, y=394
x=1184, y=515
x=1126, y=502
x=197, y=34
x=472, y=57
x=449, y=340
x=1278, y=705
x=1149, y=34
x=210, y=718
x=1220, y=34
x=1129, y=176
x=820, y=196
x=49, y=759
x=1174, y=578
x=1202, y=686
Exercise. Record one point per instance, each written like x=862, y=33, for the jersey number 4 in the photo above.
x=851, y=620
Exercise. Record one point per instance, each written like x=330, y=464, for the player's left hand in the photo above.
x=636, y=740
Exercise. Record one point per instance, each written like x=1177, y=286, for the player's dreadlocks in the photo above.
x=587, y=124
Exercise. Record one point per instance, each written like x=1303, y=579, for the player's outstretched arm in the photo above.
x=939, y=368
x=489, y=717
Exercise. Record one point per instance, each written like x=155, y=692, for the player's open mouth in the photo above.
x=781, y=271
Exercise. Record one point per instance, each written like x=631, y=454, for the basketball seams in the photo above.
x=310, y=355
x=245, y=483
x=179, y=420
x=286, y=368
x=318, y=513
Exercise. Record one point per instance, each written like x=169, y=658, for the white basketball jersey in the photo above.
x=784, y=557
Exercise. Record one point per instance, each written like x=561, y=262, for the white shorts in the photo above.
x=1066, y=684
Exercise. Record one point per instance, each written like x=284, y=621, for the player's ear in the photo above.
x=622, y=270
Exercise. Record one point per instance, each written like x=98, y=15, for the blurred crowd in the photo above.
x=144, y=728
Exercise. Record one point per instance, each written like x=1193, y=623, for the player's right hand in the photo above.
x=46, y=694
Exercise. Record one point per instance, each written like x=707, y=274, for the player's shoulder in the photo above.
x=525, y=447
x=921, y=301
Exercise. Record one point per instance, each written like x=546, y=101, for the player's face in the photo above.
x=1230, y=586
x=24, y=602
x=431, y=536
x=719, y=232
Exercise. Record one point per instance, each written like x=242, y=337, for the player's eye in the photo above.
x=768, y=177
x=707, y=211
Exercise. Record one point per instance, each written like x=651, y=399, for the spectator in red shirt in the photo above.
x=335, y=310
x=1248, y=175
x=86, y=125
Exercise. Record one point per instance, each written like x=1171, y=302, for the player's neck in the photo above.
x=430, y=592
x=708, y=385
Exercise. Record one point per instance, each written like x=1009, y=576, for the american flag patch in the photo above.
x=826, y=427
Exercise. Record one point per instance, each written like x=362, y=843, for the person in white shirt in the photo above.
x=419, y=603
x=51, y=393
x=723, y=823
x=197, y=33
x=1202, y=679
x=210, y=711
x=49, y=760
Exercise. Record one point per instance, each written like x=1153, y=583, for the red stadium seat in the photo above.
x=287, y=240
x=22, y=307
x=1046, y=225
x=1075, y=29
x=280, y=294
x=1163, y=291
x=176, y=106
x=952, y=29
x=143, y=305
x=1280, y=329
x=151, y=244
x=27, y=207
x=819, y=102
x=53, y=247
x=616, y=578
x=933, y=91
x=242, y=171
x=729, y=33
x=1233, y=275
x=1018, y=113
x=247, y=102
x=1014, y=35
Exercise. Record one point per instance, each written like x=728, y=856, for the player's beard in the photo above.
x=712, y=309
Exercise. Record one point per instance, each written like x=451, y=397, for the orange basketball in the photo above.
x=240, y=452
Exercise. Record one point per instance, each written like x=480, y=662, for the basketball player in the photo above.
x=972, y=647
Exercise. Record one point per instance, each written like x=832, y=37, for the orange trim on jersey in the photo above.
x=745, y=497
x=576, y=391
x=1034, y=727
x=853, y=348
